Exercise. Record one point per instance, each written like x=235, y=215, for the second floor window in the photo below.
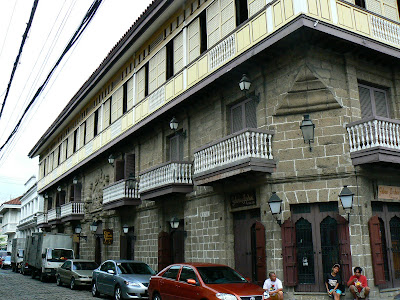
x=241, y=11
x=243, y=115
x=373, y=102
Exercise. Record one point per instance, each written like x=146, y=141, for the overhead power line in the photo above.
x=24, y=37
x=85, y=22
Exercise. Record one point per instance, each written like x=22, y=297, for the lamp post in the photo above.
x=346, y=198
x=78, y=230
x=275, y=204
x=307, y=128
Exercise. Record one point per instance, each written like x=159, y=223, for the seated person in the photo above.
x=358, y=284
x=274, y=287
x=332, y=281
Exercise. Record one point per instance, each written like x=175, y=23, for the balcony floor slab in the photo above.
x=165, y=190
x=121, y=202
x=375, y=155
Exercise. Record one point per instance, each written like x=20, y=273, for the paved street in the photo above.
x=15, y=286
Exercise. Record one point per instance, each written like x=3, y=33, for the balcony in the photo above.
x=41, y=221
x=72, y=211
x=9, y=228
x=54, y=216
x=374, y=140
x=27, y=222
x=119, y=194
x=247, y=152
x=168, y=178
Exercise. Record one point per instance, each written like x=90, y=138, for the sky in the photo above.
x=54, y=23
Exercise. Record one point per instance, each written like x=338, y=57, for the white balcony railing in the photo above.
x=41, y=219
x=54, y=214
x=374, y=132
x=72, y=208
x=120, y=190
x=9, y=228
x=249, y=143
x=222, y=52
x=169, y=173
x=385, y=30
x=27, y=220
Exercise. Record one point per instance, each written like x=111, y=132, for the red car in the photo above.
x=202, y=281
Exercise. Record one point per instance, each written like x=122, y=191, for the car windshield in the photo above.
x=7, y=258
x=60, y=255
x=135, y=268
x=85, y=265
x=216, y=275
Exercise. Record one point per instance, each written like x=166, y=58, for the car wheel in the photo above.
x=157, y=297
x=33, y=274
x=58, y=280
x=118, y=293
x=42, y=277
x=72, y=284
x=95, y=292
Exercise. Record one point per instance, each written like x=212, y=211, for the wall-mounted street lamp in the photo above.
x=244, y=85
x=174, y=223
x=59, y=188
x=173, y=124
x=75, y=180
x=78, y=230
x=93, y=229
x=307, y=128
x=125, y=228
x=111, y=159
x=275, y=204
x=346, y=198
x=46, y=196
x=131, y=182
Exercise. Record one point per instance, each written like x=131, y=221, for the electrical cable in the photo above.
x=85, y=22
x=24, y=37
x=8, y=28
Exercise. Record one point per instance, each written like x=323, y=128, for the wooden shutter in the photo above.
x=365, y=102
x=123, y=246
x=161, y=66
x=178, y=52
x=129, y=165
x=381, y=104
x=213, y=24
x=261, y=258
x=70, y=145
x=78, y=192
x=237, y=121
x=64, y=149
x=250, y=114
x=55, y=160
x=141, y=82
x=82, y=133
x=119, y=169
x=129, y=85
x=116, y=104
x=194, y=39
x=289, y=253
x=176, y=148
x=255, y=6
x=164, y=250
x=89, y=128
x=374, y=6
x=376, y=250
x=344, y=248
x=153, y=74
x=178, y=246
x=228, y=22
x=390, y=10
x=106, y=113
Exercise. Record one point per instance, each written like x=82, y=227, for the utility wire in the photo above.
x=85, y=22
x=8, y=28
x=24, y=37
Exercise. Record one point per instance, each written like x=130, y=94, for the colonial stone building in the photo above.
x=162, y=142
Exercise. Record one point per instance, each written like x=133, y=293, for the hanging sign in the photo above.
x=389, y=192
x=243, y=199
x=108, y=236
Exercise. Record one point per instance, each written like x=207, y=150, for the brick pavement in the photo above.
x=15, y=286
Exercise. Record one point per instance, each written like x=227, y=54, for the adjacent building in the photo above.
x=10, y=210
x=161, y=156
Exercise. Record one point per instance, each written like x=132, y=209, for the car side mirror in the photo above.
x=111, y=272
x=191, y=281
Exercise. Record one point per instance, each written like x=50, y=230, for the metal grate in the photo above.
x=395, y=236
x=301, y=209
x=305, y=253
x=329, y=244
x=251, y=298
x=328, y=206
x=384, y=249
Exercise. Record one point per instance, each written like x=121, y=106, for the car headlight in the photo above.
x=224, y=296
x=135, y=284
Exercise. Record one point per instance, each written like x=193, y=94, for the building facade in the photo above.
x=10, y=210
x=31, y=207
x=162, y=142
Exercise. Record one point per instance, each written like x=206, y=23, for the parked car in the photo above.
x=6, y=262
x=193, y=281
x=123, y=279
x=76, y=272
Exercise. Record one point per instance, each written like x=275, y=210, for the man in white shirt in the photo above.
x=274, y=287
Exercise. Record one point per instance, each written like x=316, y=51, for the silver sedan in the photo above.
x=123, y=279
x=76, y=272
